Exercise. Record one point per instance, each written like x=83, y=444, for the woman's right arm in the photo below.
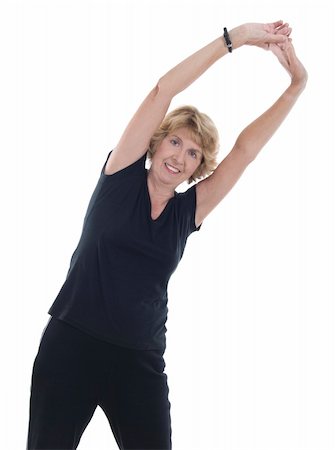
x=135, y=139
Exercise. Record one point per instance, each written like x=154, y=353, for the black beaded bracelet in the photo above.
x=227, y=40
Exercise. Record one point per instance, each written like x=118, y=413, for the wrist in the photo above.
x=297, y=86
x=238, y=36
x=294, y=90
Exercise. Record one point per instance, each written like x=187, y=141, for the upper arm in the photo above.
x=213, y=189
x=136, y=137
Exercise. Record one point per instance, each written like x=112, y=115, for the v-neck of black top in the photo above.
x=149, y=201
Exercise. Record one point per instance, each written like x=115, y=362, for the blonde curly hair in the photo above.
x=202, y=130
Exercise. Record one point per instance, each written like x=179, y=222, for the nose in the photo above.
x=178, y=160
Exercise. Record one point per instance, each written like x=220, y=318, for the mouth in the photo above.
x=171, y=169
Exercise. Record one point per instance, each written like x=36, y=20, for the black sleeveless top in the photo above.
x=116, y=286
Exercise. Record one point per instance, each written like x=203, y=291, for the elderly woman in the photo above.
x=105, y=341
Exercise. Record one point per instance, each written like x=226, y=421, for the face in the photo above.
x=176, y=158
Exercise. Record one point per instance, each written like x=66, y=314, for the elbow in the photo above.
x=248, y=153
x=159, y=85
x=161, y=91
x=162, y=88
x=155, y=91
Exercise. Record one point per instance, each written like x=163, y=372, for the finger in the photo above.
x=281, y=45
x=285, y=29
x=289, y=44
x=283, y=25
x=276, y=24
x=274, y=27
x=279, y=54
x=277, y=38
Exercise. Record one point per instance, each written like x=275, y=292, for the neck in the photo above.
x=158, y=190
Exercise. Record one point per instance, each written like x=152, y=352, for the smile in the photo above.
x=171, y=169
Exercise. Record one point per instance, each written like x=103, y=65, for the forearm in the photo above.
x=186, y=72
x=253, y=138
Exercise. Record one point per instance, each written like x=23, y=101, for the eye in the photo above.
x=174, y=140
x=194, y=154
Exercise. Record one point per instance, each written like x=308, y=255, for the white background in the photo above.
x=250, y=341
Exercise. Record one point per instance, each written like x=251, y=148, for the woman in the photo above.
x=105, y=341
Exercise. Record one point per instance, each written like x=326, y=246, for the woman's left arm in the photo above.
x=214, y=188
x=253, y=138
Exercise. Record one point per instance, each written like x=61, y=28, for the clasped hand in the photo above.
x=276, y=38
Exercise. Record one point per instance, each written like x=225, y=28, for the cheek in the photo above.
x=164, y=152
x=160, y=153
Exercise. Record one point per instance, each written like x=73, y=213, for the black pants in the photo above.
x=74, y=372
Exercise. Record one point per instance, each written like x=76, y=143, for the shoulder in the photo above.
x=116, y=164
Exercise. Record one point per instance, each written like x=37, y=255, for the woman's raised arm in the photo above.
x=135, y=139
x=185, y=73
x=251, y=140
